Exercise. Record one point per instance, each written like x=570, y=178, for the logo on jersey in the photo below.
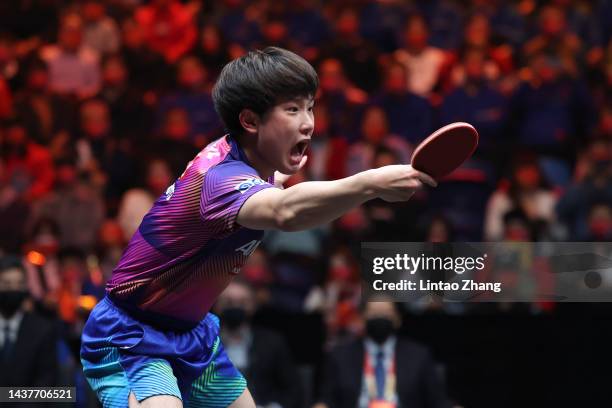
x=244, y=186
x=169, y=192
x=248, y=248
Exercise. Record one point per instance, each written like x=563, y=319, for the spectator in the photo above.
x=593, y=185
x=42, y=265
x=445, y=18
x=131, y=116
x=74, y=206
x=28, y=170
x=103, y=156
x=274, y=32
x=262, y=356
x=508, y=20
x=212, y=49
x=148, y=71
x=477, y=36
x=73, y=67
x=327, y=159
x=14, y=211
x=44, y=113
x=239, y=28
x=378, y=22
x=410, y=115
x=168, y=26
x=600, y=222
x=375, y=134
x=100, y=32
x=381, y=367
x=136, y=202
x=475, y=101
x=392, y=221
x=27, y=341
x=551, y=111
x=439, y=229
x=307, y=27
x=554, y=37
x=111, y=243
x=344, y=102
x=173, y=141
x=527, y=191
x=358, y=56
x=342, y=294
x=258, y=274
x=422, y=61
x=193, y=96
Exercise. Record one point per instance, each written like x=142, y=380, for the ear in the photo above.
x=249, y=121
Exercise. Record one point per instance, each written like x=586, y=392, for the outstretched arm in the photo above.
x=306, y=205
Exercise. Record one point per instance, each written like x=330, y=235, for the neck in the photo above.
x=249, y=148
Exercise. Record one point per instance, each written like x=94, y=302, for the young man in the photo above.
x=152, y=340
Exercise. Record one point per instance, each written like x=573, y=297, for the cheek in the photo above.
x=270, y=142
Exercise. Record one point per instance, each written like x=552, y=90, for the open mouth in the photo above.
x=299, y=149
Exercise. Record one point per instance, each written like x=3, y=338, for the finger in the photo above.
x=426, y=178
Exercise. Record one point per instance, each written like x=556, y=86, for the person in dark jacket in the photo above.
x=381, y=369
x=28, y=356
x=262, y=355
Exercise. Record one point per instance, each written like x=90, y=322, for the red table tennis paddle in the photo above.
x=445, y=149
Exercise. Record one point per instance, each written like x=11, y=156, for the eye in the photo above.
x=292, y=109
x=310, y=108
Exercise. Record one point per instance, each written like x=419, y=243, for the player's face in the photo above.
x=284, y=134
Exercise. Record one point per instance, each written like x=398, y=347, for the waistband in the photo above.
x=157, y=320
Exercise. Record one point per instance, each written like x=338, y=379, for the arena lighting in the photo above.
x=36, y=258
x=87, y=302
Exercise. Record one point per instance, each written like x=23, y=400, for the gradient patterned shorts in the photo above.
x=122, y=355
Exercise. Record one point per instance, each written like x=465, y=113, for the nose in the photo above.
x=307, y=125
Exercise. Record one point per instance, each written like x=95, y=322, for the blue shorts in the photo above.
x=121, y=355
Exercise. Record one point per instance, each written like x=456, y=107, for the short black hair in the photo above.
x=258, y=81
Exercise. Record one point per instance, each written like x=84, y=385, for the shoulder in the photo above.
x=412, y=347
x=234, y=171
x=347, y=348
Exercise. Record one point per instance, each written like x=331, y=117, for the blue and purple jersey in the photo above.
x=189, y=246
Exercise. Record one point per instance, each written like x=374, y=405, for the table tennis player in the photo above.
x=152, y=341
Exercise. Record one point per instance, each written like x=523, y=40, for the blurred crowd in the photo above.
x=103, y=103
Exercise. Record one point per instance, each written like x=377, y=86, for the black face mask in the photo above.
x=10, y=301
x=379, y=329
x=233, y=317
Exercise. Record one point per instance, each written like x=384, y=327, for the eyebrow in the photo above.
x=298, y=99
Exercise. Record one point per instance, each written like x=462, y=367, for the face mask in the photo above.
x=379, y=329
x=233, y=317
x=10, y=301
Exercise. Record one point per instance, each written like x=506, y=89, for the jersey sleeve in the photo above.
x=224, y=191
